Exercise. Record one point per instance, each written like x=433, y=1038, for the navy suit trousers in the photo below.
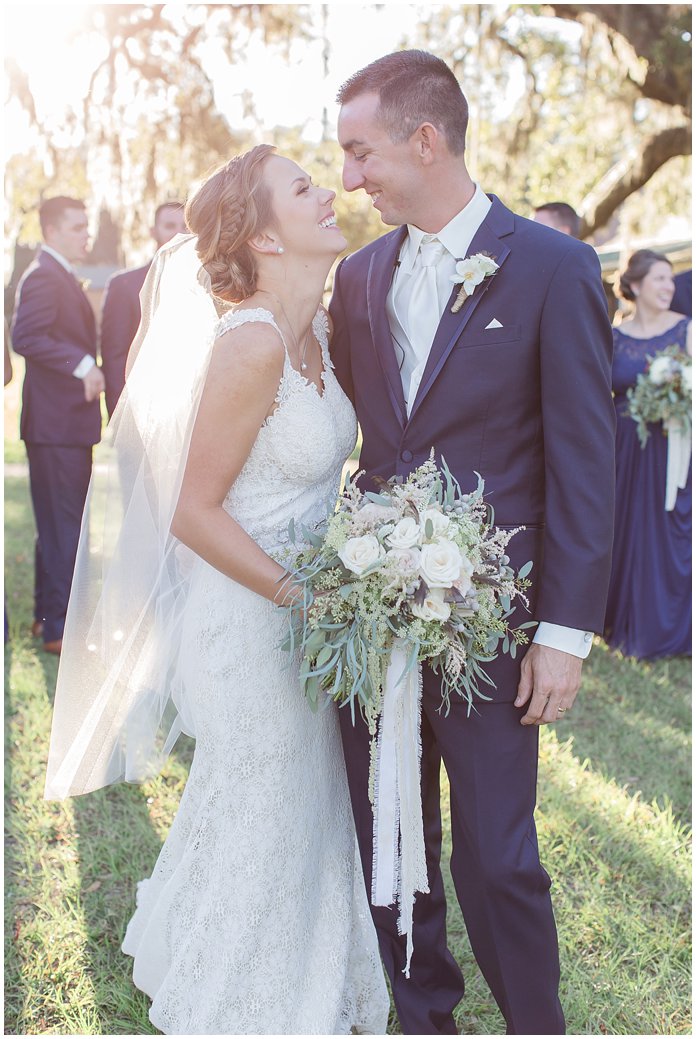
x=59, y=479
x=503, y=891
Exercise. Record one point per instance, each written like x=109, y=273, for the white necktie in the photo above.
x=424, y=306
x=423, y=316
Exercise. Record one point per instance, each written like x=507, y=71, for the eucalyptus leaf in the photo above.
x=312, y=692
x=323, y=656
x=315, y=642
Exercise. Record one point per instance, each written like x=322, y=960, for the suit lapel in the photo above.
x=76, y=289
x=379, y=279
x=486, y=240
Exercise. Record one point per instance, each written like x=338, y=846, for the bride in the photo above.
x=255, y=919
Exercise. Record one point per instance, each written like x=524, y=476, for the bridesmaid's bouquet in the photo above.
x=663, y=394
x=419, y=564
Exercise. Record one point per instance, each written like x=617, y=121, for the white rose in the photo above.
x=405, y=534
x=438, y=519
x=660, y=370
x=686, y=377
x=433, y=607
x=441, y=563
x=359, y=554
x=405, y=561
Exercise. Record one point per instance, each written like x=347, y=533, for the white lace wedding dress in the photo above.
x=255, y=920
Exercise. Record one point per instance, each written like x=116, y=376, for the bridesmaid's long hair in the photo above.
x=229, y=208
x=638, y=266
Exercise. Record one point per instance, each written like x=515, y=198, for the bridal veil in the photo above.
x=118, y=704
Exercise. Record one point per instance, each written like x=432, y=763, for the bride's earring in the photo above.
x=280, y=249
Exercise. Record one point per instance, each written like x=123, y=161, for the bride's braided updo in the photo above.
x=228, y=209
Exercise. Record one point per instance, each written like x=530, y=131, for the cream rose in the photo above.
x=661, y=370
x=359, y=554
x=433, y=607
x=439, y=521
x=441, y=563
x=686, y=376
x=404, y=561
x=405, y=534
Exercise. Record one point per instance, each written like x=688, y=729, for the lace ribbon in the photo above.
x=398, y=867
x=678, y=460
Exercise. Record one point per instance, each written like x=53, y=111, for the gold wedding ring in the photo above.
x=562, y=710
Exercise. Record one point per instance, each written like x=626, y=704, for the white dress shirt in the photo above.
x=87, y=362
x=456, y=237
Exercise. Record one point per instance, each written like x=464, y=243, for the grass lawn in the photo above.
x=614, y=808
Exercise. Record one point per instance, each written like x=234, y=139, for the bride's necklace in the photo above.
x=303, y=363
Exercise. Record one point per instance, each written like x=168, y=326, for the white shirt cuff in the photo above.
x=85, y=365
x=568, y=640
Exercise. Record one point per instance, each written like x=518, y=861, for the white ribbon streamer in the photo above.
x=678, y=460
x=398, y=866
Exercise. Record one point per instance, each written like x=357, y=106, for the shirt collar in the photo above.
x=456, y=236
x=59, y=258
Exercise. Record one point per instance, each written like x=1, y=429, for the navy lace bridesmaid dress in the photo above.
x=649, y=607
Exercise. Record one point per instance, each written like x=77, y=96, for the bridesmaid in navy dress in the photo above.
x=649, y=608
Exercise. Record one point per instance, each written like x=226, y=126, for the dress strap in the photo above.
x=235, y=318
x=320, y=327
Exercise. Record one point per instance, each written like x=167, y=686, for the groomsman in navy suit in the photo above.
x=55, y=331
x=682, y=300
x=516, y=385
x=121, y=310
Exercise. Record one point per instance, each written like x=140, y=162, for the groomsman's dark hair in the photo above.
x=51, y=210
x=414, y=87
x=563, y=215
x=164, y=206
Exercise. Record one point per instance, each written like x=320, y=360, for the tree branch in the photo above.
x=650, y=40
x=631, y=174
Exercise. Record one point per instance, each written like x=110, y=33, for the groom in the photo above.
x=516, y=386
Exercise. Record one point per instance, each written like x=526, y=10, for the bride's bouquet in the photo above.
x=663, y=394
x=414, y=574
x=420, y=564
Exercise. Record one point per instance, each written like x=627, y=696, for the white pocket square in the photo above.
x=494, y=323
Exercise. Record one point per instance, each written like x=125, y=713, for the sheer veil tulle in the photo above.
x=119, y=704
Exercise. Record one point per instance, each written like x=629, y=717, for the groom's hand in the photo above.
x=549, y=679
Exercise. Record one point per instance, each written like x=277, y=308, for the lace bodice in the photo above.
x=294, y=468
x=631, y=354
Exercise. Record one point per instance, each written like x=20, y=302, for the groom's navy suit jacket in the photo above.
x=527, y=405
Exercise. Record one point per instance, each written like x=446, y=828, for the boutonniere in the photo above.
x=470, y=272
